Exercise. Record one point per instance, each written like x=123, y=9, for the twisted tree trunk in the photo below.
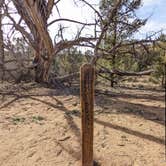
x=43, y=46
x=42, y=65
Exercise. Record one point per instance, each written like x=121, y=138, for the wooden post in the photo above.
x=87, y=106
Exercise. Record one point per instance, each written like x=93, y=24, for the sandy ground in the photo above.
x=41, y=127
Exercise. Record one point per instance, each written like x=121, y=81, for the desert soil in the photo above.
x=41, y=127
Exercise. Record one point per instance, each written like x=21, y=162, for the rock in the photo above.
x=121, y=144
x=75, y=104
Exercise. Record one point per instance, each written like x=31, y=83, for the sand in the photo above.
x=41, y=127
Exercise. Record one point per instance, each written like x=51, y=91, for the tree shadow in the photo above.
x=132, y=132
x=130, y=95
x=141, y=110
x=68, y=116
x=143, y=89
x=73, y=126
x=114, y=105
x=16, y=98
x=129, y=131
x=59, y=105
x=70, y=151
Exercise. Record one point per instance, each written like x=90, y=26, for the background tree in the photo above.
x=68, y=62
x=159, y=60
x=122, y=28
x=1, y=43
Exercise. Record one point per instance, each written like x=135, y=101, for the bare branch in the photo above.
x=124, y=73
x=93, y=9
x=50, y=5
x=69, y=20
x=68, y=44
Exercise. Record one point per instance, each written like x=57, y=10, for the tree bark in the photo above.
x=1, y=44
x=87, y=112
x=42, y=43
x=114, y=55
x=42, y=64
x=112, y=74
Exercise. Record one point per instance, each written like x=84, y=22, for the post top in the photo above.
x=87, y=65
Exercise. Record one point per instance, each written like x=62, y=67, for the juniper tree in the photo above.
x=123, y=25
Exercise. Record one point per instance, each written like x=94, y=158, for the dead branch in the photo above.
x=99, y=72
x=69, y=20
x=124, y=73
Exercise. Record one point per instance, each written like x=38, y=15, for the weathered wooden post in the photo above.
x=87, y=106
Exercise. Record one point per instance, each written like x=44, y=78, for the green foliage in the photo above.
x=159, y=67
x=17, y=120
x=37, y=118
x=122, y=27
x=69, y=61
x=158, y=61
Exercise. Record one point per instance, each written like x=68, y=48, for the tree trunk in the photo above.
x=42, y=62
x=114, y=56
x=163, y=81
x=42, y=69
x=112, y=75
x=1, y=44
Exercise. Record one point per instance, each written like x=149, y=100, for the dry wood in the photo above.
x=101, y=71
x=124, y=73
x=87, y=106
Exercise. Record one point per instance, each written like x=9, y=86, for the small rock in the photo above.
x=121, y=144
x=95, y=163
x=75, y=104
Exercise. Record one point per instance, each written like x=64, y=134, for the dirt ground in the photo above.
x=41, y=127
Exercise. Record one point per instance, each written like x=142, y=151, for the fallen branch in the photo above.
x=101, y=71
x=125, y=73
x=67, y=77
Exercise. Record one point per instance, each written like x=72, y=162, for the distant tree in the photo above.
x=69, y=61
x=121, y=28
x=159, y=62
